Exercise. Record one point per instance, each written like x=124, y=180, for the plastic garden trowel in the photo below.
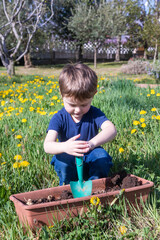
x=80, y=188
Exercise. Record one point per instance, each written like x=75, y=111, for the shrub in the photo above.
x=154, y=70
x=135, y=67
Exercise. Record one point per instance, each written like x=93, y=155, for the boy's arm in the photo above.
x=108, y=132
x=72, y=146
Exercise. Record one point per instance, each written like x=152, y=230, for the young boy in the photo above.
x=77, y=128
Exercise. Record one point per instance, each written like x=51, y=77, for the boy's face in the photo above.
x=76, y=108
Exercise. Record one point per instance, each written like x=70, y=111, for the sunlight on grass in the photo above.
x=26, y=105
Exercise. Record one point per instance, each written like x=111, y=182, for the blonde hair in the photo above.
x=78, y=81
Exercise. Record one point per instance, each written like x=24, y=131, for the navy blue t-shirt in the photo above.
x=88, y=127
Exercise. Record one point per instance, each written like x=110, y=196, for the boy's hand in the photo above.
x=76, y=148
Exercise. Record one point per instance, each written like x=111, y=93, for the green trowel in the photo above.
x=80, y=188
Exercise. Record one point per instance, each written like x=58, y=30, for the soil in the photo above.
x=120, y=180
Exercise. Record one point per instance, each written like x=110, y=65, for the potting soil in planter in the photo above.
x=118, y=181
x=53, y=204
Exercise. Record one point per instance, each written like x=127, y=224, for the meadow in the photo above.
x=26, y=106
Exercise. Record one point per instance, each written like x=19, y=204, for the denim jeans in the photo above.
x=96, y=164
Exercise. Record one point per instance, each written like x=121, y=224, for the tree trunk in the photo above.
x=155, y=52
x=145, y=54
x=27, y=60
x=117, y=57
x=11, y=68
x=79, y=55
x=95, y=57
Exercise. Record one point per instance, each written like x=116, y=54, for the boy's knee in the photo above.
x=99, y=168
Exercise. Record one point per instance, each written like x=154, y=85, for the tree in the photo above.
x=20, y=21
x=91, y=23
x=143, y=25
x=119, y=23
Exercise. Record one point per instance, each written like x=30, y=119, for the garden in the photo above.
x=27, y=103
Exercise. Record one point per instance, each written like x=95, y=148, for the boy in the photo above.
x=77, y=128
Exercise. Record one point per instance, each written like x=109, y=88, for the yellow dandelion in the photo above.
x=148, y=95
x=51, y=226
x=95, y=200
x=158, y=94
x=0, y=154
x=123, y=229
x=158, y=117
x=133, y=131
x=3, y=163
x=154, y=109
x=19, y=145
x=121, y=150
x=142, y=112
x=3, y=103
x=16, y=165
x=136, y=122
x=153, y=116
x=143, y=125
x=54, y=98
x=152, y=91
x=142, y=120
x=24, y=163
x=18, y=137
x=43, y=113
x=24, y=120
x=17, y=157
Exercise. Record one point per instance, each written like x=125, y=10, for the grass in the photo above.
x=107, y=68
x=27, y=105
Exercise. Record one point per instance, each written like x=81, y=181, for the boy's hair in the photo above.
x=78, y=81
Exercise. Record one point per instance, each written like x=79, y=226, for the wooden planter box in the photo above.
x=46, y=213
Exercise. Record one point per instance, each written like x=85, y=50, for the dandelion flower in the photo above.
x=158, y=95
x=24, y=120
x=153, y=116
x=18, y=137
x=142, y=112
x=17, y=157
x=94, y=200
x=54, y=98
x=19, y=145
x=3, y=163
x=152, y=91
x=154, y=109
x=143, y=125
x=148, y=95
x=121, y=150
x=16, y=165
x=51, y=226
x=136, y=122
x=158, y=117
x=24, y=163
x=0, y=154
x=123, y=229
x=133, y=131
x=142, y=120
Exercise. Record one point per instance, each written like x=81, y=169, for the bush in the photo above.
x=135, y=67
x=154, y=70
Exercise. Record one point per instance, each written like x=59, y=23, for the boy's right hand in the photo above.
x=76, y=148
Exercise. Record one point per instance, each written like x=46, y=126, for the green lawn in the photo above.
x=27, y=105
x=108, y=68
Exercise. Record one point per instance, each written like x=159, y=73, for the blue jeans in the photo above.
x=96, y=164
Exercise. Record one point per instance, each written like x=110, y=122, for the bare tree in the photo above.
x=19, y=21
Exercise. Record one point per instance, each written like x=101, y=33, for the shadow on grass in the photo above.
x=144, y=167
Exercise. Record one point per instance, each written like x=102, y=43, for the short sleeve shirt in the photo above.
x=88, y=127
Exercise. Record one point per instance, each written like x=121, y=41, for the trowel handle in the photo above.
x=79, y=165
